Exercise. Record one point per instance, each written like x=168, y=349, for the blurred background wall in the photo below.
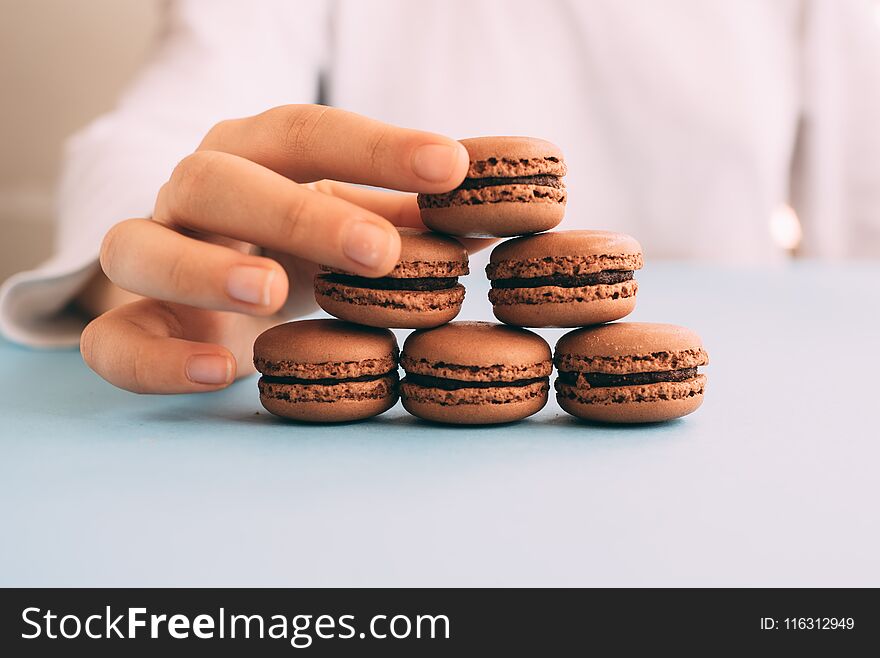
x=62, y=62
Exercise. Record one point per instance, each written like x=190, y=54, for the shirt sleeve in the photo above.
x=836, y=166
x=213, y=60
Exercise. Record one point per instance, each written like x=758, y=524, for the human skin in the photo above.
x=184, y=293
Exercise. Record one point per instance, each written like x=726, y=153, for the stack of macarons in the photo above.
x=482, y=372
x=620, y=372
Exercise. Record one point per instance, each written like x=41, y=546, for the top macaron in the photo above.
x=513, y=187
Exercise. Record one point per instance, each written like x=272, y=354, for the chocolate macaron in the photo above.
x=564, y=278
x=326, y=370
x=513, y=187
x=630, y=372
x=421, y=291
x=475, y=373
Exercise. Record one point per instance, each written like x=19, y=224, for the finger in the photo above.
x=133, y=347
x=309, y=142
x=218, y=193
x=154, y=347
x=150, y=259
x=399, y=209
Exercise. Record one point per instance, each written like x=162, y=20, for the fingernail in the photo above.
x=435, y=162
x=252, y=285
x=209, y=369
x=367, y=244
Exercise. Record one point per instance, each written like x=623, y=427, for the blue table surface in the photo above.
x=773, y=482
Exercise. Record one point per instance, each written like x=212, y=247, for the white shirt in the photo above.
x=684, y=122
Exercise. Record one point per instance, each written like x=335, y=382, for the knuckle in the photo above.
x=179, y=279
x=190, y=175
x=170, y=320
x=216, y=135
x=298, y=124
x=290, y=227
x=377, y=146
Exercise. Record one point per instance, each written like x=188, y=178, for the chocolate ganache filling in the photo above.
x=327, y=381
x=454, y=384
x=389, y=283
x=567, y=281
x=602, y=380
x=544, y=180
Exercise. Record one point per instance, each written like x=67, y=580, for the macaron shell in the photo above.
x=659, y=361
x=426, y=254
x=631, y=412
x=327, y=370
x=626, y=339
x=502, y=219
x=566, y=243
x=390, y=308
x=564, y=313
x=472, y=396
x=646, y=403
x=478, y=345
x=418, y=269
x=321, y=341
x=419, y=244
x=329, y=403
x=328, y=412
x=506, y=156
x=472, y=414
x=562, y=265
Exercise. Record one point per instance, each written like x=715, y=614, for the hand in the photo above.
x=264, y=181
